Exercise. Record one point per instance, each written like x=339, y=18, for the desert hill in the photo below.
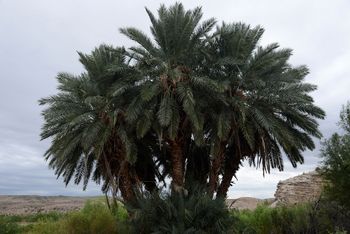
x=301, y=188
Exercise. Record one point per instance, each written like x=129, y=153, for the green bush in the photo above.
x=278, y=220
x=176, y=213
x=336, y=163
x=323, y=216
x=52, y=216
x=95, y=217
x=47, y=227
x=8, y=225
x=331, y=216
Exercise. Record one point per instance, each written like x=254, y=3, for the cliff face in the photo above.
x=303, y=188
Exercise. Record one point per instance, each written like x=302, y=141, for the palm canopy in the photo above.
x=269, y=109
x=267, y=95
x=171, y=89
x=86, y=121
x=191, y=102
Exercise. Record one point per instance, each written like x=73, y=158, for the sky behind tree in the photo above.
x=39, y=38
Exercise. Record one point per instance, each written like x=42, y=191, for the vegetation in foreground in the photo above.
x=176, y=213
x=95, y=218
x=322, y=216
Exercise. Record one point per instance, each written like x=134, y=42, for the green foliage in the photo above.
x=95, y=217
x=274, y=220
x=52, y=216
x=176, y=213
x=8, y=226
x=24, y=223
x=332, y=216
x=192, y=214
x=321, y=217
x=336, y=163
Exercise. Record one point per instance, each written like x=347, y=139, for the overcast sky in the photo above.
x=39, y=38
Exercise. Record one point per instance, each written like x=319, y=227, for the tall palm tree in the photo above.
x=191, y=102
x=171, y=88
x=269, y=104
x=86, y=124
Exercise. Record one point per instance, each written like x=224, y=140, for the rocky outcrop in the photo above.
x=306, y=187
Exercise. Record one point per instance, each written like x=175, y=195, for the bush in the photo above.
x=95, y=217
x=176, y=213
x=273, y=220
x=323, y=216
x=51, y=216
x=336, y=163
x=331, y=216
x=8, y=225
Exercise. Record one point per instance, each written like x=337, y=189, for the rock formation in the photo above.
x=302, y=188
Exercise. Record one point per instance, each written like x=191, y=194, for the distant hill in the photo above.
x=27, y=204
x=301, y=188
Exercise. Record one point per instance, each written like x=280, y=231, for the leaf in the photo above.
x=143, y=125
x=174, y=124
x=150, y=91
x=165, y=111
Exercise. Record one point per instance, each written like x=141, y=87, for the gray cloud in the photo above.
x=40, y=38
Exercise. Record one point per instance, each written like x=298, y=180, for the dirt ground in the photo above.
x=15, y=205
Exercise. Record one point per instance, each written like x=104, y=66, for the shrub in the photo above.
x=95, y=217
x=176, y=213
x=336, y=163
x=52, y=216
x=331, y=216
x=47, y=227
x=273, y=220
x=8, y=226
x=323, y=216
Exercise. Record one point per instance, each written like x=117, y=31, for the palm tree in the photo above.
x=269, y=106
x=170, y=88
x=86, y=123
x=192, y=103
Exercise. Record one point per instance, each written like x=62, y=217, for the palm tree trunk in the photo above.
x=197, y=168
x=230, y=170
x=110, y=176
x=177, y=165
x=123, y=171
x=126, y=182
x=215, y=169
x=146, y=172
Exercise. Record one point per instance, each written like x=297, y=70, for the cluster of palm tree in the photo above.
x=189, y=104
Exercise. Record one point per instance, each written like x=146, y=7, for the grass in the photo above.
x=94, y=217
x=24, y=223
